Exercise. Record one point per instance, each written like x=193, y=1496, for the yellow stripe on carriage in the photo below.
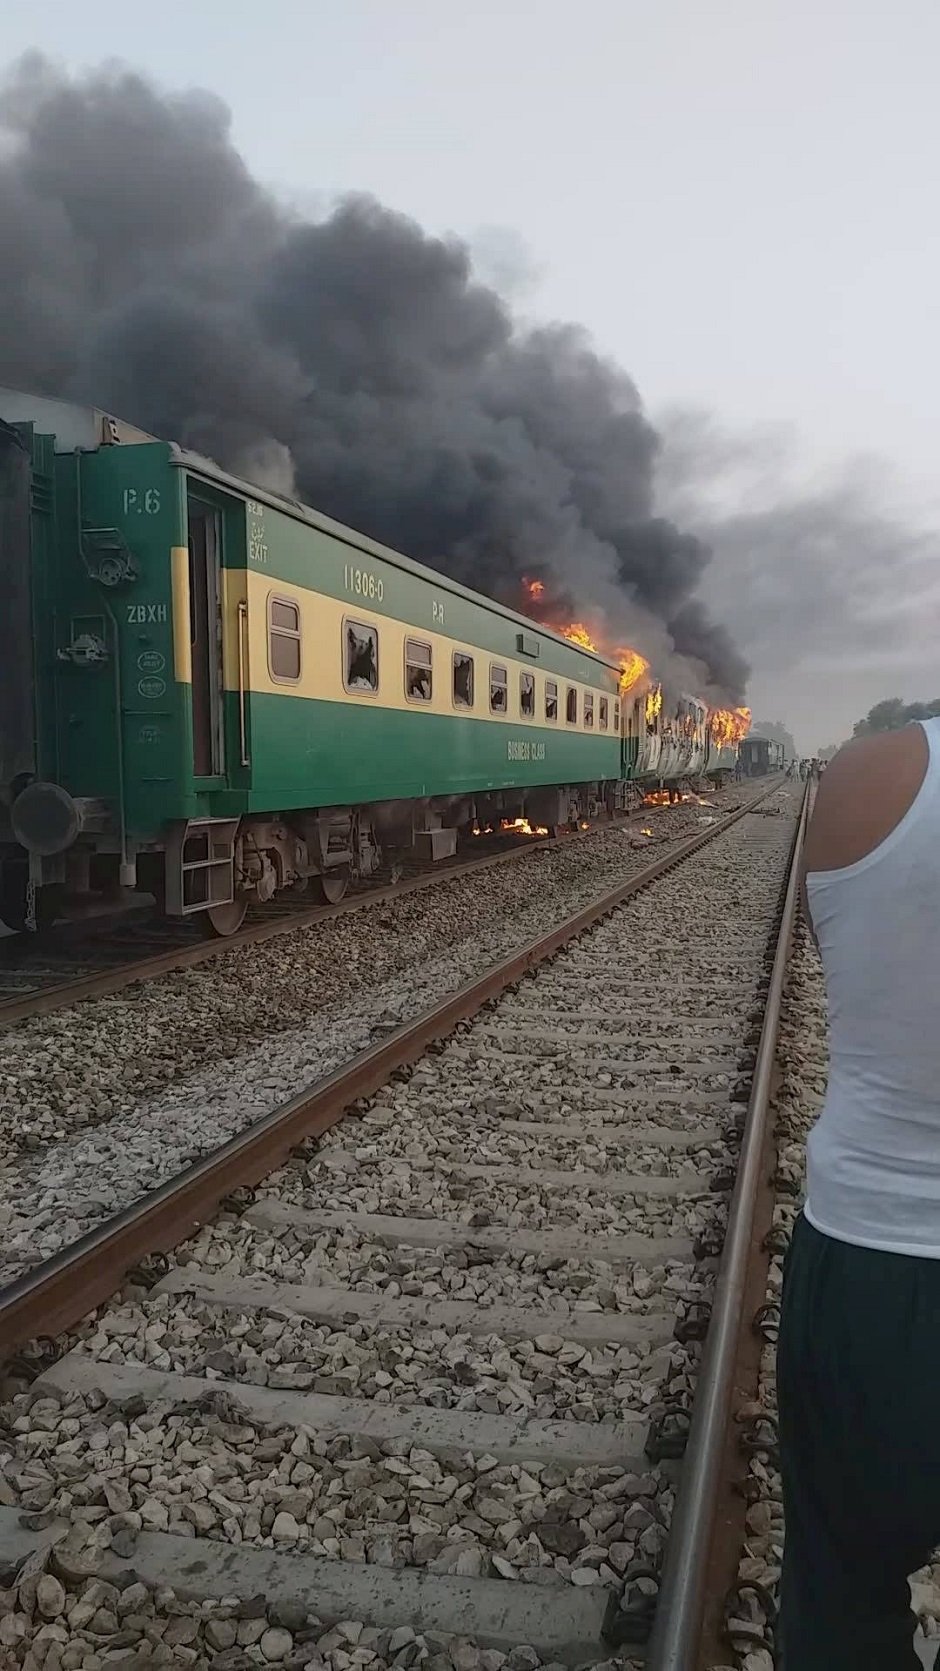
x=182, y=631
x=322, y=618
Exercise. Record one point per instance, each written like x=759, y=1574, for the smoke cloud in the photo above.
x=828, y=579
x=354, y=358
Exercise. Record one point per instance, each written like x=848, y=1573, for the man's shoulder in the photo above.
x=882, y=750
x=864, y=792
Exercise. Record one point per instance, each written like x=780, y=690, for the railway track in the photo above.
x=420, y=1391
x=80, y=961
x=89, y=961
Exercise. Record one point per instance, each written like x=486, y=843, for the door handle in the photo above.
x=242, y=660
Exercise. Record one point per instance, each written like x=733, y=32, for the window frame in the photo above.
x=587, y=710
x=420, y=701
x=551, y=690
x=524, y=674
x=458, y=702
x=603, y=714
x=368, y=626
x=571, y=691
x=499, y=684
x=295, y=636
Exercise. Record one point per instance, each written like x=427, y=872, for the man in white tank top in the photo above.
x=859, y=1356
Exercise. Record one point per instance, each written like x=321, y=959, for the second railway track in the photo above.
x=414, y=1391
x=77, y=961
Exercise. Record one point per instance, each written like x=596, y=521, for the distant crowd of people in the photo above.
x=809, y=768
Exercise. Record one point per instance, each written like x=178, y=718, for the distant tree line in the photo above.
x=891, y=714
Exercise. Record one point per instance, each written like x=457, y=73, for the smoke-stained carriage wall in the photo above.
x=17, y=718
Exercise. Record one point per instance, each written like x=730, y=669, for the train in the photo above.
x=761, y=755
x=211, y=693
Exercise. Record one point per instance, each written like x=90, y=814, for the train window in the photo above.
x=551, y=701
x=602, y=713
x=463, y=680
x=284, y=640
x=361, y=658
x=617, y=717
x=417, y=670
x=589, y=709
x=527, y=695
x=499, y=689
x=571, y=706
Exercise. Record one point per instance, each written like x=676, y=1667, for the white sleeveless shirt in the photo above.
x=873, y=1157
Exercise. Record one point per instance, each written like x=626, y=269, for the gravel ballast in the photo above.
x=545, y=1172
x=69, y=1080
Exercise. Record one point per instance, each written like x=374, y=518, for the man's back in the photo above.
x=858, y=1361
x=873, y=885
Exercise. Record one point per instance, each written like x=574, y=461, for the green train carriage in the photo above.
x=213, y=693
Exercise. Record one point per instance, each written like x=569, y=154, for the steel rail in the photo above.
x=58, y=1292
x=101, y=982
x=674, y=1643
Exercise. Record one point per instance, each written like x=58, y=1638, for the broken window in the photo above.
x=499, y=689
x=527, y=695
x=602, y=713
x=551, y=700
x=284, y=639
x=463, y=680
x=362, y=657
x=617, y=717
x=417, y=670
x=571, y=706
x=589, y=709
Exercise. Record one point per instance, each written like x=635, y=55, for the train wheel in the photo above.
x=333, y=885
x=223, y=920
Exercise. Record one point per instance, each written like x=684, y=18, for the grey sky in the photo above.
x=737, y=200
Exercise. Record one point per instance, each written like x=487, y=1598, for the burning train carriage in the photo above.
x=681, y=737
x=212, y=692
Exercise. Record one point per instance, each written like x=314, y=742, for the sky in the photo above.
x=737, y=201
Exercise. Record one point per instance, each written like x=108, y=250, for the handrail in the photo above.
x=242, y=682
x=674, y=1641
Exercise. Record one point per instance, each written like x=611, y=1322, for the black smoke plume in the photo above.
x=354, y=360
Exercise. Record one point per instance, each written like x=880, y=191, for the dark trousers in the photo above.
x=858, y=1375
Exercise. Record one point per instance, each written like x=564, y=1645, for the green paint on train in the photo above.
x=146, y=736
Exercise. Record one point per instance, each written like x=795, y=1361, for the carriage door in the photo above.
x=205, y=622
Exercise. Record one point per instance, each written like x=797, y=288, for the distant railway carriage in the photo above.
x=213, y=693
x=760, y=755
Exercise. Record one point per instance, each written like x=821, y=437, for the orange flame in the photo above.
x=578, y=633
x=654, y=704
x=632, y=667
x=632, y=664
x=729, y=725
x=521, y=826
